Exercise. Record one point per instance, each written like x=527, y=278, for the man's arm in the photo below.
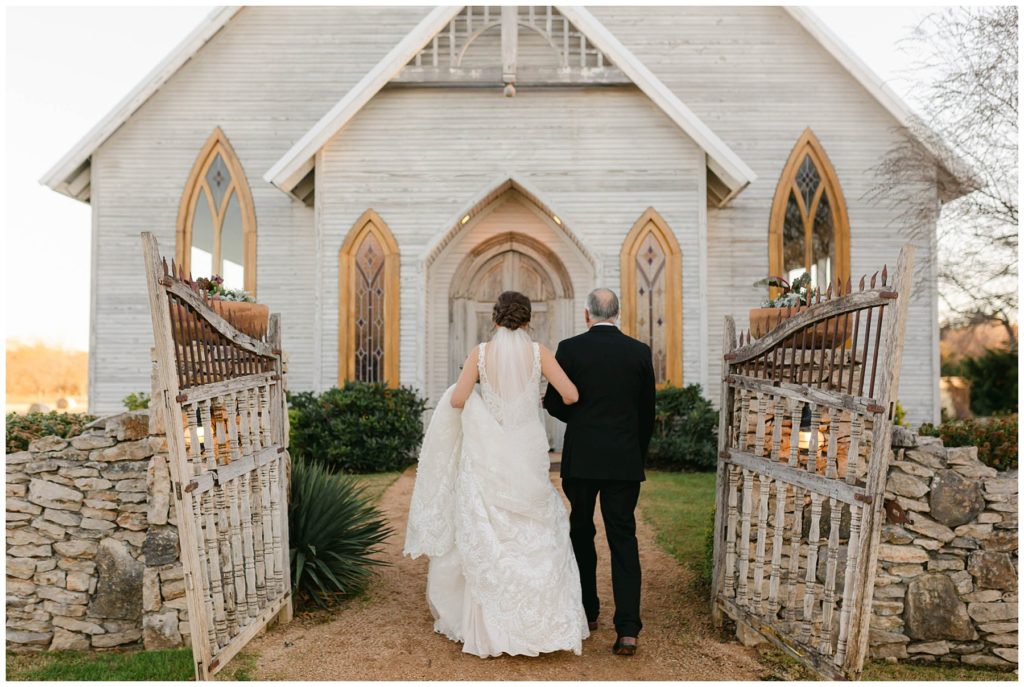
x=553, y=402
x=646, y=402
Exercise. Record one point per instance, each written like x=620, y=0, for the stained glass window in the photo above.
x=650, y=300
x=369, y=315
x=809, y=231
x=217, y=233
x=368, y=283
x=652, y=294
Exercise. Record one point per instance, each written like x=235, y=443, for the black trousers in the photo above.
x=618, y=503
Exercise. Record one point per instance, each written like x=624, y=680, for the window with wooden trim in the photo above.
x=368, y=303
x=809, y=230
x=652, y=301
x=216, y=220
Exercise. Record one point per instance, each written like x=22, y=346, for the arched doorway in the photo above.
x=506, y=239
x=509, y=262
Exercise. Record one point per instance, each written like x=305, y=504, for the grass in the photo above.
x=680, y=507
x=377, y=483
x=166, y=664
x=779, y=666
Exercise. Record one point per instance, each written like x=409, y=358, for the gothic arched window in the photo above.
x=809, y=230
x=216, y=220
x=368, y=303
x=652, y=301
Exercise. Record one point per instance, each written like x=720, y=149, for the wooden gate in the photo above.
x=222, y=398
x=804, y=437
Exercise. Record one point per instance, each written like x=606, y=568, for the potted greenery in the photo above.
x=792, y=299
x=234, y=305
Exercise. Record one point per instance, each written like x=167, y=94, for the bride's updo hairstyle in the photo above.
x=512, y=310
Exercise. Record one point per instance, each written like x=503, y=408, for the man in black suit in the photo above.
x=605, y=444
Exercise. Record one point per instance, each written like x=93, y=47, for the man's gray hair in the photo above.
x=603, y=304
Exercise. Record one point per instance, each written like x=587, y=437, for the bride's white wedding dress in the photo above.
x=502, y=575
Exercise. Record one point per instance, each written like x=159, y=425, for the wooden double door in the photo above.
x=509, y=262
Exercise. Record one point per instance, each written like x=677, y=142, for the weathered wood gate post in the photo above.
x=221, y=396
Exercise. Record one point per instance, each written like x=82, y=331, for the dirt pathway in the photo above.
x=389, y=634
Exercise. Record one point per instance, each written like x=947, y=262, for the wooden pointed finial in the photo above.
x=828, y=293
x=885, y=274
x=163, y=262
x=873, y=278
x=862, y=278
x=849, y=285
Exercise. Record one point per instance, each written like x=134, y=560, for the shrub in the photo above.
x=333, y=533
x=899, y=415
x=358, y=428
x=23, y=429
x=685, y=430
x=995, y=437
x=136, y=401
x=993, y=379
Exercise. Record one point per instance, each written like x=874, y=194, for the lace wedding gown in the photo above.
x=502, y=575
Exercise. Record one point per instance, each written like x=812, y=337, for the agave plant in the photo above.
x=334, y=533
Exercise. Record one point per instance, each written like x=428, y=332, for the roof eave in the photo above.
x=63, y=175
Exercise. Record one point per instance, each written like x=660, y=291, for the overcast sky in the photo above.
x=67, y=67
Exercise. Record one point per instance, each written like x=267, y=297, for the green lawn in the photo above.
x=168, y=664
x=779, y=666
x=680, y=507
x=377, y=483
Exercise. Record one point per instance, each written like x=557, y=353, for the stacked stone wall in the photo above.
x=946, y=589
x=87, y=531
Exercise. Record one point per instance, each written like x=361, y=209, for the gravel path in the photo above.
x=389, y=635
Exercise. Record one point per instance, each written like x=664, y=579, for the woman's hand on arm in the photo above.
x=467, y=378
x=557, y=378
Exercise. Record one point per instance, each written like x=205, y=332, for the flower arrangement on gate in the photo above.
x=215, y=287
x=793, y=295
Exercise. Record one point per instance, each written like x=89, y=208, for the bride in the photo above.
x=502, y=575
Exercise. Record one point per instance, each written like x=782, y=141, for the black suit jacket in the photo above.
x=609, y=429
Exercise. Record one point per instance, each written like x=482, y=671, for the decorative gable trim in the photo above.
x=571, y=58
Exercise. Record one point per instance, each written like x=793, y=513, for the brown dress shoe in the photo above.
x=624, y=646
x=592, y=625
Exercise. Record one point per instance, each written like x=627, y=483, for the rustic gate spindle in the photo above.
x=221, y=392
x=829, y=371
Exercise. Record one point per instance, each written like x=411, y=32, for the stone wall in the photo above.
x=85, y=539
x=947, y=580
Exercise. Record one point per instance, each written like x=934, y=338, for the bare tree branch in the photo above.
x=967, y=81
